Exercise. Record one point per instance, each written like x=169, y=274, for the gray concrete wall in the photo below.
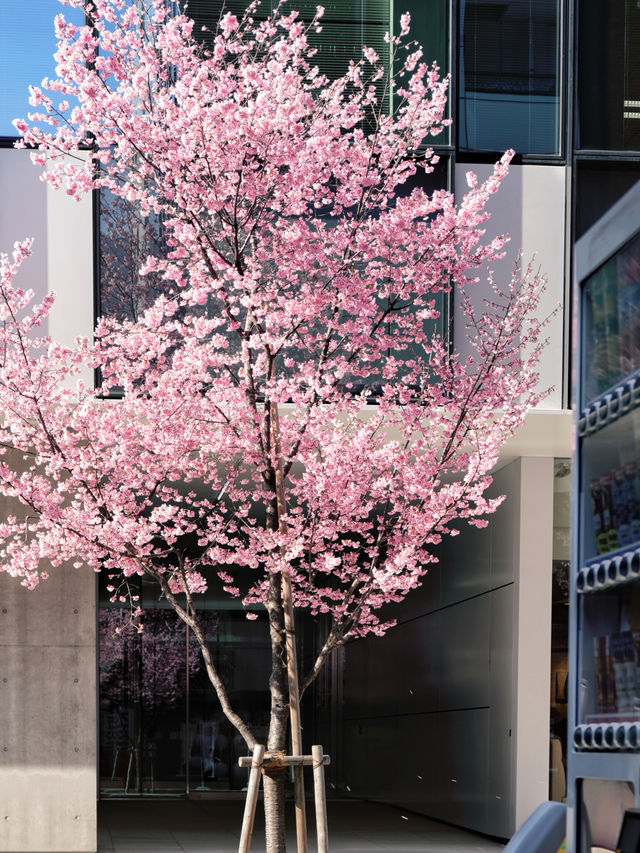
x=448, y=714
x=48, y=700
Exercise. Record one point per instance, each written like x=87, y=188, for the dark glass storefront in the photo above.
x=161, y=728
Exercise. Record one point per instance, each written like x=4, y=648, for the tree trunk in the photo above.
x=274, y=777
x=273, y=784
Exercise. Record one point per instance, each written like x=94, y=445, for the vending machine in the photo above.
x=604, y=701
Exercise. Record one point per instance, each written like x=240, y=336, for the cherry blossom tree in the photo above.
x=287, y=418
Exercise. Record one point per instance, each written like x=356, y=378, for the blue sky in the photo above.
x=27, y=44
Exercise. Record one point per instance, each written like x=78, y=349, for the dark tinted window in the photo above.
x=430, y=28
x=609, y=75
x=347, y=25
x=599, y=185
x=509, y=76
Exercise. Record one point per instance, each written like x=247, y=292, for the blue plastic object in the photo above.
x=542, y=832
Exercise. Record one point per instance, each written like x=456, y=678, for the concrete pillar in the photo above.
x=48, y=748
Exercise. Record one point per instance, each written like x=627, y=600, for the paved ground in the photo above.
x=213, y=826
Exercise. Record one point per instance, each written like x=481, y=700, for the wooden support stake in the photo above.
x=320, y=799
x=252, y=799
x=294, y=712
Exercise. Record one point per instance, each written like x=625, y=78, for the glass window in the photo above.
x=347, y=25
x=509, y=76
x=430, y=28
x=126, y=239
x=610, y=502
x=609, y=75
x=162, y=730
x=373, y=380
x=27, y=45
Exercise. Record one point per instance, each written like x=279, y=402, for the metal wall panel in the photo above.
x=453, y=697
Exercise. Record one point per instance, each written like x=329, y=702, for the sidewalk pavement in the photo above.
x=213, y=826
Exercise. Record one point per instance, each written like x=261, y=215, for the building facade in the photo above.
x=459, y=712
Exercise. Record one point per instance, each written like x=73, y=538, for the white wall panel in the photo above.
x=530, y=206
x=532, y=645
x=23, y=213
x=48, y=636
x=62, y=258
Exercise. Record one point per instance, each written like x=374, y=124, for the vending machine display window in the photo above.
x=611, y=322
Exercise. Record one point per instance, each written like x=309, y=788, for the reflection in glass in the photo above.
x=599, y=185
x=127, y=238
x=143, y=685
x=371, y=376
x=242, y=657
x=162, y=731
x=609, y=661
x=430, y=28
x=509, y=76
